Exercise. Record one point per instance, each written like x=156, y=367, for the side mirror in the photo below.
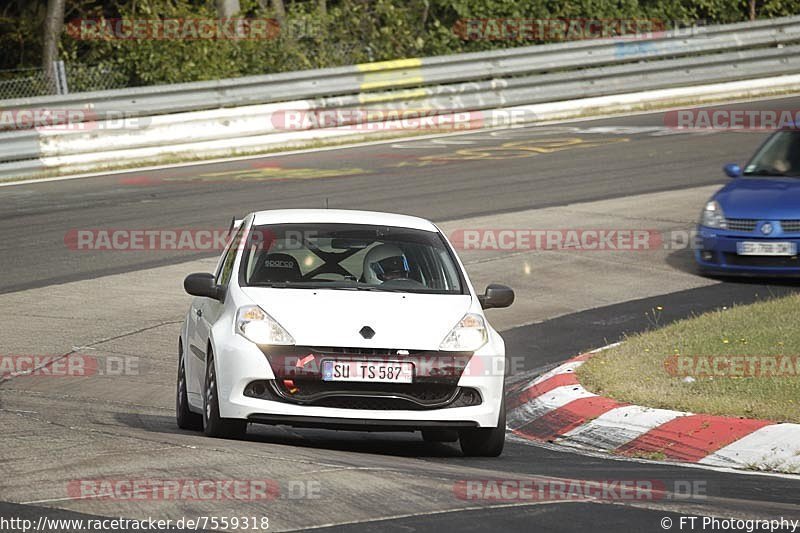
x=203, y=284
x=732, y=170
x=496, y=296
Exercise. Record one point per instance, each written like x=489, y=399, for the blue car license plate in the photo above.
x=766, y=248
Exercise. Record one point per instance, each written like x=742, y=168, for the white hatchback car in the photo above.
x=347, y=320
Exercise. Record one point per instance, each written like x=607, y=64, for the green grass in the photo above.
x=637, y=370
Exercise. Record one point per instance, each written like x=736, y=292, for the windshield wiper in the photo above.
x=766, y=172
x=368, y=288
x=294, y=285
x=378, y=288
x=280, y=285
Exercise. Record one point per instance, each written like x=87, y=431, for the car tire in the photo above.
x=439, y=435
x=485, y=442
x=185, y=418
x=213, y=424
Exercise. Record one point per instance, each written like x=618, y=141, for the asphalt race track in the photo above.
x=451, y=178
x=128, y=305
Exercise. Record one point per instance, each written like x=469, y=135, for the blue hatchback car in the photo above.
x=752, y=225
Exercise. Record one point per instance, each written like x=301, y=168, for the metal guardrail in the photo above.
x=409, y=73
x=475, y=81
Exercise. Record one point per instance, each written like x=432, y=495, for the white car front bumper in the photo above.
x=240, y=362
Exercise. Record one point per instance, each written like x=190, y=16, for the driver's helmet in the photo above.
x=385, y=262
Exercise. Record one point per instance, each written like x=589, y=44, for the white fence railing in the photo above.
x=235, y=116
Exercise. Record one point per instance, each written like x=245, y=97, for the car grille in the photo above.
x=762, y=261
x=790, y=226
x=463, y=399
x=749, y=225
x=384, y=396
x=741, y=224
x=422, y=394
x=364, y=402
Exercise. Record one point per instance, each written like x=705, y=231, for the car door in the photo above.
x=193, y=353
x=203, y=314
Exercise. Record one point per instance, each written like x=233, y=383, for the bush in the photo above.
x=352, y=31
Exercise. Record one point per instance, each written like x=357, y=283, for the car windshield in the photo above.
x=349, y=257
x=780, y=156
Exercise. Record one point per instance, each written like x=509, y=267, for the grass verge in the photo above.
x=742, y=361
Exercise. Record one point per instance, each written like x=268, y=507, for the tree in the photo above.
x=227, y=8
x=53, y=24
x=279, y=9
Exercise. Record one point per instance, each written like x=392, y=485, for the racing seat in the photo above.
x=276, y=267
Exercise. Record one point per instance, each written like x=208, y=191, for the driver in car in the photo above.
x=385, y=262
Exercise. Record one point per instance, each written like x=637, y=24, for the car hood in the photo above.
x=325, y=317
x=761, y=199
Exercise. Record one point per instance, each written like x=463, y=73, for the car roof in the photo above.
x=341, y=216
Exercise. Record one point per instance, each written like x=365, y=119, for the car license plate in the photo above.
x=371, y=371
x=766, y=248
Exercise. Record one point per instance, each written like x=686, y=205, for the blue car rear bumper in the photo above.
x=717, y=252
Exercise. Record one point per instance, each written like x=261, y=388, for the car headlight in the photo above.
x=467, y=336
x=255, y=325
x=713, y=216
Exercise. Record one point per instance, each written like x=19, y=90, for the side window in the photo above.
x=226, y=267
